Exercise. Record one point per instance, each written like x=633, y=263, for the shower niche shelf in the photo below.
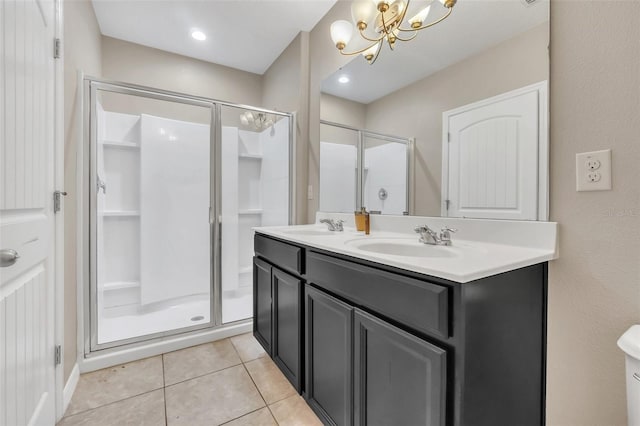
x=250, y=212
x=247, y=156
x=120, y=213
x=120, y=144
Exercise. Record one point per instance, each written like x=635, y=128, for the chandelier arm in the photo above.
x=342, y=52
x=386, y=32
x=404, y=13
x=370, y=39
x=377, y=54
x=407, y=39
x=428, y=25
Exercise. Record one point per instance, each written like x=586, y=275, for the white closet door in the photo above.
x=493, y=159
x=26, y=216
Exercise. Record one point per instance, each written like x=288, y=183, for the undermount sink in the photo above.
x=400, y=247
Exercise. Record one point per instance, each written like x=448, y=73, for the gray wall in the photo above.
x=285, y=87
x=594, y=288
x=133, y=63
x=82, y=51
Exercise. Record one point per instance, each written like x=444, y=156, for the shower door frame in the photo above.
x=360, y=149
x=89, y=322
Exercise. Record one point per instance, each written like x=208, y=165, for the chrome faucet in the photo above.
x=333, y=225
x=429, y=236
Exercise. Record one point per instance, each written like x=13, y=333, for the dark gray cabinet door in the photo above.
x=287, y=320
x=262, y=303
x=399, y=379
x=329, y=357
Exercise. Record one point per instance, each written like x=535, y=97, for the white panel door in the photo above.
x=26, y=216
x=493, y=159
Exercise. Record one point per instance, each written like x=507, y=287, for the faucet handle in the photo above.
x=423, y=228
x=447, y=229
x=339, y=225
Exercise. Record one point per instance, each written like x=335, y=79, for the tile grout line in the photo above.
x=260, y=393
x=164, y=393
x=255, y=384
x=245, y=414
x=202, y=375
x=111, y=403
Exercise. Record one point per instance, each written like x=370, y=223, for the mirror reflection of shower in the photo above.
x=362, y=168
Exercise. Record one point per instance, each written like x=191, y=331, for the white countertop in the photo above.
x=480, y=248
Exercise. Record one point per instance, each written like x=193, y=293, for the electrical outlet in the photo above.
x=594, y=177
x=593, y=171
x=310, y=192
x=593, y=164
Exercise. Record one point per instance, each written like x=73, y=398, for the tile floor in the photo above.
x=230, y=382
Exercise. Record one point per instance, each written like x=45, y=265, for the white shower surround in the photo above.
x=255, y=192
x=154, y=255
x=175, y=253
x=385, y=166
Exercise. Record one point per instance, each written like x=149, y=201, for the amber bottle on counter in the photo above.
x=363, y=221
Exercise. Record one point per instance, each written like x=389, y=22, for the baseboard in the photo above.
x=70, y=388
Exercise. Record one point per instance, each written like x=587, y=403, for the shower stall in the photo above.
x=175, y=185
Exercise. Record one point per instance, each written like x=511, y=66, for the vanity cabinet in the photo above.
x=364, y=371
x=277, y=306
x=370, y=344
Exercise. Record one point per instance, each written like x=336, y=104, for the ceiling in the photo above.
x=473, y=26
x=244, y=34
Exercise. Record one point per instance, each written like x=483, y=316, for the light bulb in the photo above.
x=243, y=120
x=370, y=53
x=198, y=35
x=341, y=32
x=420, y=17
x=361, y=12
x=343, y=79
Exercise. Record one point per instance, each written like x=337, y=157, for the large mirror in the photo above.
x=471, y=93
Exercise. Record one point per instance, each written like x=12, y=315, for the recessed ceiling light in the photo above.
x=344, y=79
x=198, y=35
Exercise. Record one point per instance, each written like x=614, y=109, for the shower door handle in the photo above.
x=102, y=185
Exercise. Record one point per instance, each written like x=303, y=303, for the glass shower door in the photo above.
x=150, y=215
x=255, y=168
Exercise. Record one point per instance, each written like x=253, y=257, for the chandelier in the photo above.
x=257, y=120
x=383, y=21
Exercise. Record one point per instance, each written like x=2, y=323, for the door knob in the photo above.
x=8, y=257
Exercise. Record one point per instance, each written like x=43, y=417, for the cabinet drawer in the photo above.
x=415, y=303
x=284, y=255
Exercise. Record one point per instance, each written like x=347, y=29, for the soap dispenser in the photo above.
x=363, y=222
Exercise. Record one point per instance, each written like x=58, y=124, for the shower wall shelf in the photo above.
x=120, y=144
x=120, y=213
x=119, y=285
x=250, y=156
